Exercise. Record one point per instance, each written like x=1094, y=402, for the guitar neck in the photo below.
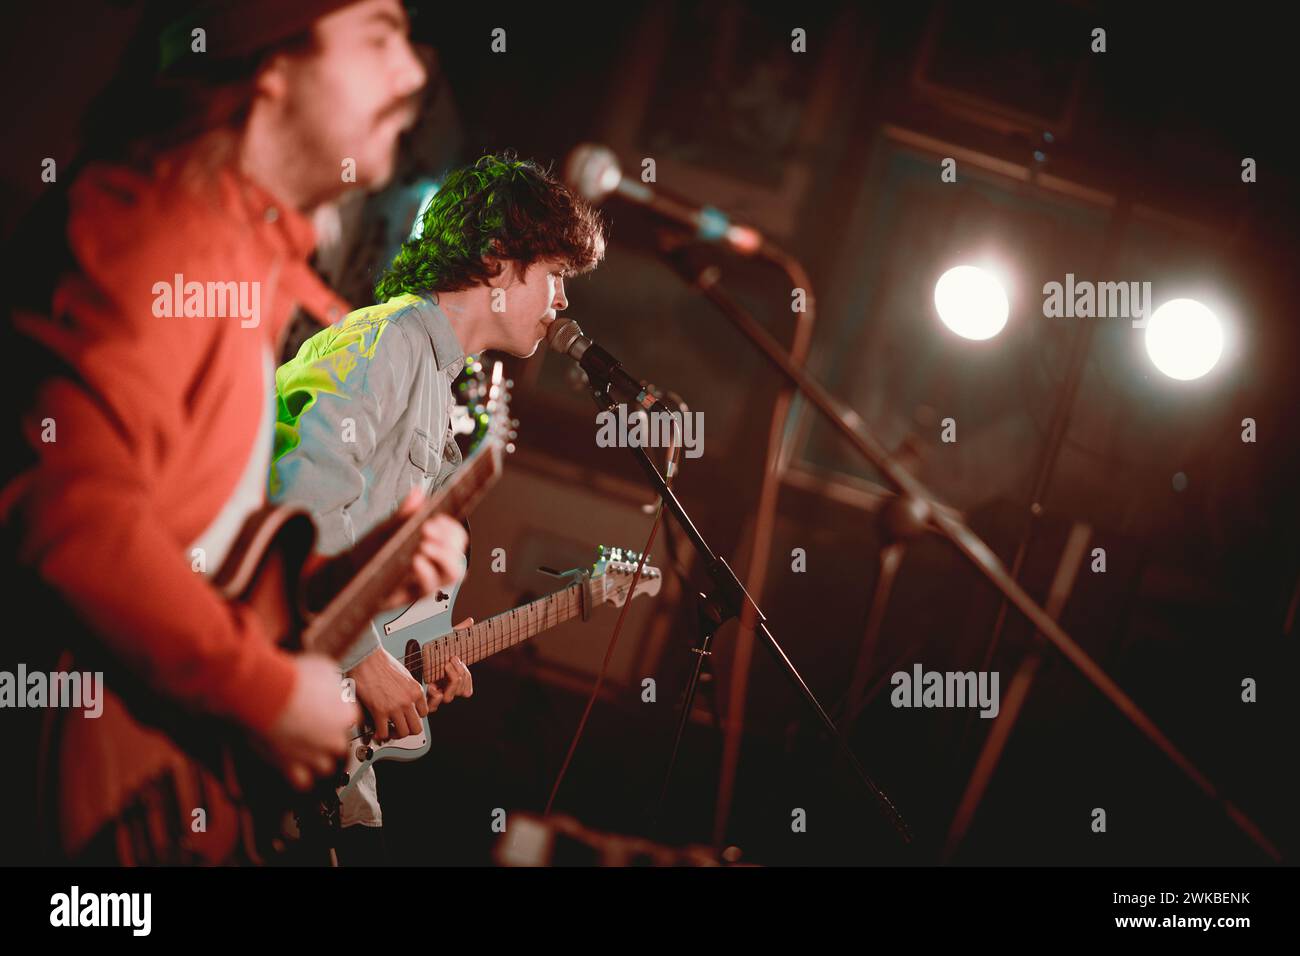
x=474, y=643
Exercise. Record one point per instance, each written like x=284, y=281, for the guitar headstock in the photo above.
x=613, y=571
x=499, y=427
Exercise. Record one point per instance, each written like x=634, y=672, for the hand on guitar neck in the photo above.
x=437, y=563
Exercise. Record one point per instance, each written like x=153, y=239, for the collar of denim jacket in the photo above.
x=447, y=350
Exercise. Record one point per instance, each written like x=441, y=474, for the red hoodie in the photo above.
x=158, y=420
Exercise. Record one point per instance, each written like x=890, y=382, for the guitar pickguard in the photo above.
x=426, y=620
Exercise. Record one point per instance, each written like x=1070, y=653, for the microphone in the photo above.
x=592, y=171
x=565, y=336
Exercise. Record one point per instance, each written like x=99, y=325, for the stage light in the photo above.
x=971, y=302
x=1184, y=339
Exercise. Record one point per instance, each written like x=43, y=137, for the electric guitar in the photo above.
x=149, y=783
x=422, y=637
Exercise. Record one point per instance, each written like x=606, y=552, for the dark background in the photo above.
x=835, y=155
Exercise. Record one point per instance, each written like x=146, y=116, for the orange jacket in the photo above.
x=154, y=419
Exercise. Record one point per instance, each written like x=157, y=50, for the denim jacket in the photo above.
x=363, y=416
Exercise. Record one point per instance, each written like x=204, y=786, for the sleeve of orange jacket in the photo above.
x=87, y=519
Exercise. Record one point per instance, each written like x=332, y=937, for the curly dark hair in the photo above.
x=507, y=208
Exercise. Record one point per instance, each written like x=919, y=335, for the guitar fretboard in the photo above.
x=502, y=632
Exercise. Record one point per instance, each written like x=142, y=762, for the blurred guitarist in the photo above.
x=147, y=413
x=365, y=406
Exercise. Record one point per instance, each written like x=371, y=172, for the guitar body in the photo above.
x=402, y=633
x=148, y=783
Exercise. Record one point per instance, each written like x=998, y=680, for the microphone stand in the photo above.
x=775, y=461
x=947, y=524
x=727, y=599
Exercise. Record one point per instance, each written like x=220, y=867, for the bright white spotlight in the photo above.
x=1184, y=339
x=971, y=302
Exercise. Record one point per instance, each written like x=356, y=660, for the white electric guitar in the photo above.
x=423, y=639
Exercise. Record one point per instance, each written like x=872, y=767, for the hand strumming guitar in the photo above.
x=311, y=734
x=391, y=695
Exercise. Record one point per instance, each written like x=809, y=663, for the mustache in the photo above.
x=408, y=108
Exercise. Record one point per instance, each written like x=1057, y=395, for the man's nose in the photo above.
x=561, y=301
x=411, y=73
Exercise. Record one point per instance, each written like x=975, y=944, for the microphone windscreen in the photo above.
x=562, y=334
x=592, y=171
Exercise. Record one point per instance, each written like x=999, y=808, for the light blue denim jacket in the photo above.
x=363, y=416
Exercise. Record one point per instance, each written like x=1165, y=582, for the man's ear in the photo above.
x=272, y=80
x=503, y=271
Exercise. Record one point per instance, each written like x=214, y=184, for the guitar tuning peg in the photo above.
x=510, y=448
